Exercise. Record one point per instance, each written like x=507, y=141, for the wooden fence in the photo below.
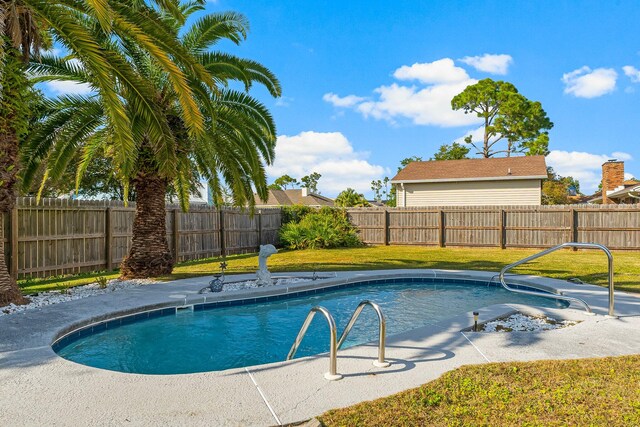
x=58, y=236
x=616, y=226
x=64, y=237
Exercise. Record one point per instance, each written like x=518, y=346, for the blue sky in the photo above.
x=368, y=83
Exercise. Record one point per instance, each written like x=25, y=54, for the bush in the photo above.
x=322, y=229
x=295, y=213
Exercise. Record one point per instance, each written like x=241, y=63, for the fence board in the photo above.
x=616, y=226
x=71, y=236
x=59, y=236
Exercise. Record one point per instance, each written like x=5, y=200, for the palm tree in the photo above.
x=238, y=138
x=81, y=27
x=350, y=198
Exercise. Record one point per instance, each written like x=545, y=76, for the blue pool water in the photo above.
x=245, y=335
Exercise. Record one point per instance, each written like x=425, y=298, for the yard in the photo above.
x=573, y=392
x=595, y=392
x=590, y=266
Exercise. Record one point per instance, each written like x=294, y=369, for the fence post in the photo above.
x=222, y=242
x=108, y=239
x=13, y=241
x=176, y=234
x=503, y=229
x=385, y=223
x=574, y=226
x=441, y=228
x=259, y=228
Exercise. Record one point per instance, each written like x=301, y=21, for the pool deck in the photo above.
x=40, y=388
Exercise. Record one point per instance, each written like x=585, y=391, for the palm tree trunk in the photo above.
x=149, y=255
x=11, y=84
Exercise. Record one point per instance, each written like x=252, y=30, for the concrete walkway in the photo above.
x=40, y=388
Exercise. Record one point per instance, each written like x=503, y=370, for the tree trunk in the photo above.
x=149, y=255
x=12, y=83
x=9, y=291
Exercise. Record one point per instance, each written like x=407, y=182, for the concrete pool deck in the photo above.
x=40, y=388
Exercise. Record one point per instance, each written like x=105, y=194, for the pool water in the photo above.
x=245, y=335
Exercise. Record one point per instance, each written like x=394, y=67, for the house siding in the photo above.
x=471, y=193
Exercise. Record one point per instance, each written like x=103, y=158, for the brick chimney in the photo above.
x=612, y=178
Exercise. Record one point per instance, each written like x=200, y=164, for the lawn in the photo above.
x=590, y=266
x=588, y=392
x=574, y=392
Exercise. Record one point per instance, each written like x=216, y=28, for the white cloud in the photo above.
x=68, y=88
x=344, y=101
x=436, y=72
x=328, y=153
x=428, y=104
x=283, y=101
x=585, y=167
x=632, y=72
x=477, y=135
x=587, y=83
x=619, y=155
x=494, y=64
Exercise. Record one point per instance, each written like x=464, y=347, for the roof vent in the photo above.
x=509, y=171
x=612, y=160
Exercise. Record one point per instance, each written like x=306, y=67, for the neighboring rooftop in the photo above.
x=299, y=196
x=504, y=168
x=624, y=193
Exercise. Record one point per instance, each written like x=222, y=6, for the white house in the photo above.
x=472, y=182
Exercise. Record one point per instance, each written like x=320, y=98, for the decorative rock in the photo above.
x=521, y=322
x=53, y=297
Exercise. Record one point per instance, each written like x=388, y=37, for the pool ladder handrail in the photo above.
x=332, y=375
x=335, y=344
x=382, y=330
x=560, y=296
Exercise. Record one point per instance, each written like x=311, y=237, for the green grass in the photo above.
x=588, y=392
x=590, y=266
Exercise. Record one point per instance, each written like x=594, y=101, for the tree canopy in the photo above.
x=404, y=162
x=455, y=151
x=556, y=189
x=351, y=198
x=284, y=182
x=507, y=117
x=311, y=182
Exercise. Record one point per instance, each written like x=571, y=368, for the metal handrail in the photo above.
x=559, y=296
x=382, y=330
x=332, y=375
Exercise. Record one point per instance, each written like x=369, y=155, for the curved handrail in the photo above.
x=333, y=347
x=559, y=296
x=382, y=330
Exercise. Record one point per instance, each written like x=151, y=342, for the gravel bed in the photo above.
x=523, y=323
x=78, y=292
x=54, y=297
x=251, y=284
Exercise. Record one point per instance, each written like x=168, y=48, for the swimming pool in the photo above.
x=221, y=336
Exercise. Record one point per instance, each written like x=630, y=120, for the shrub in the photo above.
x=295, y=213
x=102, y=282
x=322, y=229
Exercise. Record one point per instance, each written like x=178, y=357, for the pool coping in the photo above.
x=264, y=295
x=284, y=391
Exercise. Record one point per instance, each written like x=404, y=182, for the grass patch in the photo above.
x=587, y=392
x=589, y=266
